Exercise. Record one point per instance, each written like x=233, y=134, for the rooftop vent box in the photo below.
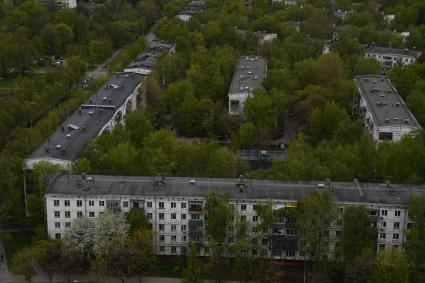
x=192, y=181
x=387, y=120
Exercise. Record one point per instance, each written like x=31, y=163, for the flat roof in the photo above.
x=149, y=57
x=85, y=123
x=249, y=74
x=192, y=7
x=384, y=102
x=393, y=51
x=349, y=192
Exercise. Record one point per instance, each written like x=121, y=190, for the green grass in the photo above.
x=15, y=241
x=8, y=83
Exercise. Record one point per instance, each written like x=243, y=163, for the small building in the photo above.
x=249, y=74
x=391, y=57
x=382, y=110
x=263, y=36
x=60, y=4
x=342, y=15
x=194, y=6
x=327, y=48
x=146, y=61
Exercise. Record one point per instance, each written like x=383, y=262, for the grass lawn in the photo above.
x=8, y=83
x=15, y=241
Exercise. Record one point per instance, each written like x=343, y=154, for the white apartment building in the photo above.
x=249, y=74
x=121, y=94
x=391, y=57
x=61, y=4
x=382, y=110
x=175, y=208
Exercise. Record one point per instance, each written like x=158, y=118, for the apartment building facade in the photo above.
x=382, y=110
x=175, y=207
x=391, y=57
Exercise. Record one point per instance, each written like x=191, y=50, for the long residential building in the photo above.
x=175, y=207
x=249, y=74
x=391, y=57
x=382, y=110
x=105, y=109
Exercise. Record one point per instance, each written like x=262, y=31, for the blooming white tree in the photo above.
x=81, y=235
x=108, y=227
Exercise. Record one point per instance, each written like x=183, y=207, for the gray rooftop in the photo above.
x=249, y=73
x=384, y=102
x=349, y=192
x=149, y=57
x=193, y=6
x=85, y=123
x=393, y=51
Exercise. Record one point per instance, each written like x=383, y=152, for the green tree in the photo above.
x=99, y=50
x=23, y=264
x=138, y=126
x=143, y=258
x=415, y=244
x=137, y=220
x=391, y=267
x=193, y=271
x=247, y=137
x=48, y=256
x=315, y=214
x=357, y=233
x=323, y=124
x=329, y=69
x=318, y=25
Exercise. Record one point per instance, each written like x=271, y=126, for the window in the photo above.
x=57, y=224
x=161, y=238
x=66, y=202
x=91, y=214
x=254, y=252
x=161, y=227
x=67, y=224
x=254, y=207
x=79, y=214
x=183, y=205
x=290, y=253
x=243, y=207
x=384, y=212
x=161, y=249
x=149, y=204
x=173, y=250
x=195, y=217
x=397, y=213
x=173, y=227
x=67, y=214
x=101, y=203
x=173, y=205
x=161, y=205
x=383, y=224
x=243, y=217
x=125, y=203
x=276, y=252
x=149, y=215
x=397, y=225
x=161, y=216
x=341, y=210
x=173, y=216
x=382, y=235
x=91, y=202
x=173, y=238
x=57, y=236
x=338, y=234
x=57, y=214
x=183, y=227
x=56, y=202
x=183, y=216
x=255, y=218
x=339, y=222
x=184, y=239
x=395, y=236
x=79, y=203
